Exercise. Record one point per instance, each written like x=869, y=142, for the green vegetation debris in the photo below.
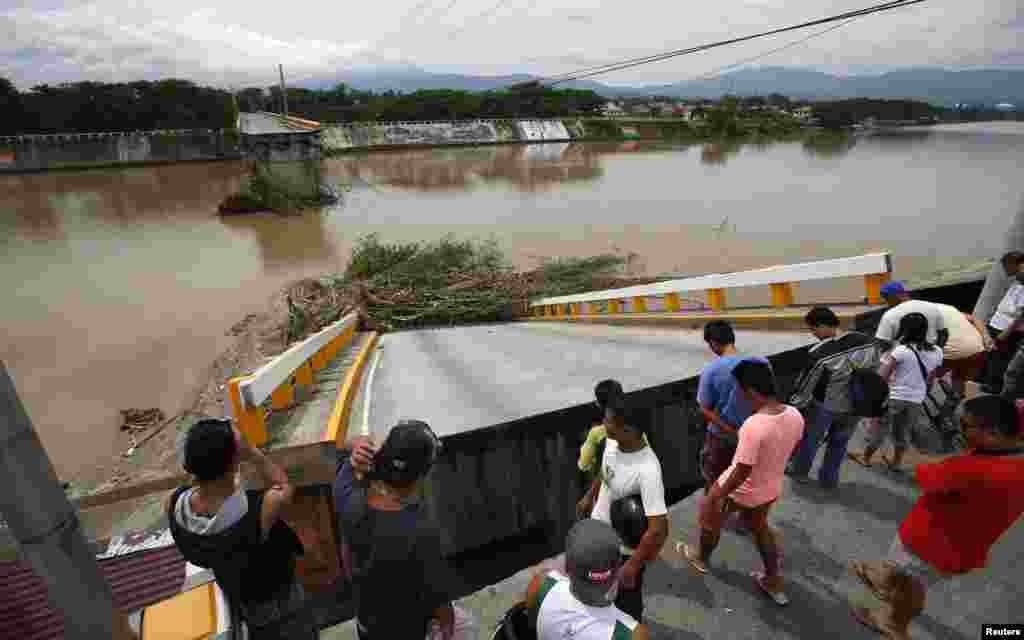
x=447, y=282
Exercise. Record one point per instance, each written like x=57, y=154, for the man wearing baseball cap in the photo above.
x=391, y=546
x=581, y=604
x=900, y=304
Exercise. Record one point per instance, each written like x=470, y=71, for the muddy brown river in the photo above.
x=119, y=285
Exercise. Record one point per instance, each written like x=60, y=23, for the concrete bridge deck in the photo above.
x=467, y=378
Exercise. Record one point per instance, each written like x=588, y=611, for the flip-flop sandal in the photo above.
x=777, y=597
x=858, y=458
x=686, y=551
x=867, y=617
x=860, y=569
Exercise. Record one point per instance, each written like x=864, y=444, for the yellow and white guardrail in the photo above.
x=875, y=268
x=276, y=380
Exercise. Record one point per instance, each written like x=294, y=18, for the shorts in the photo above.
x=732, y=512
x=904, y=420
x=286, y=615
x=904, y=559
x=715, y=456
x=968, y=368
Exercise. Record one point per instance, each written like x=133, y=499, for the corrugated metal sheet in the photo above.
x=137, y=580
x=143, y=578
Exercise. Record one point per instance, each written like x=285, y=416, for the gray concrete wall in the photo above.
x=501, y=481
x=365, y=135
x=40, y=153
x=290, y=147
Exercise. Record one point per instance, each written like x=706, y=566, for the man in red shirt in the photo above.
x=967, y=501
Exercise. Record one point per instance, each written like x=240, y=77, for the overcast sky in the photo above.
x=236, y=42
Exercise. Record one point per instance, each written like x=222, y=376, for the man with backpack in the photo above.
x=836, y=388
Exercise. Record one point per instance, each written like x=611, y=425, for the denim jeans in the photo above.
x=820, y=422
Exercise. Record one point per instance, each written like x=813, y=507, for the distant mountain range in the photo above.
x=410, y=78
x=940, y=86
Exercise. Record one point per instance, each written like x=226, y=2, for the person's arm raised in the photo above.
x=280, y=491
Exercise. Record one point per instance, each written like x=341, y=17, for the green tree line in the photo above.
x=845, y=113
x=80, y=107
x=343, y=104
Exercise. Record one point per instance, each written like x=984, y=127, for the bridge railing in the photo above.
x=875, y=268
x=389, y=123
x=276, y=380
x=100, y=135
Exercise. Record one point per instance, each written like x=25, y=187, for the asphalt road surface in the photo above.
x=468, y=378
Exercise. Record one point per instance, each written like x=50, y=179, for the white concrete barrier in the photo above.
x=275, y=381
x=875, y=268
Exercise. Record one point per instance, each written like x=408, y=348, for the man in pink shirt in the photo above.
x=753, y=482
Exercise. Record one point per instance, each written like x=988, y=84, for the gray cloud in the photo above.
x=580, y=18
x=1009, y=57
x=239, y=42
x=1016, y=22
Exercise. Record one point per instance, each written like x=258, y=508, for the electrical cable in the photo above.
x=892, y=4
x=633, y=62
x=765, y=54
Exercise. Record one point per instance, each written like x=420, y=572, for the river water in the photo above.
x=119, y=285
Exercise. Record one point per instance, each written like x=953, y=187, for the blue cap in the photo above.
x=894, y=288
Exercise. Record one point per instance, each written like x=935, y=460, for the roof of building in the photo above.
x=137, y=579
x=261, y=124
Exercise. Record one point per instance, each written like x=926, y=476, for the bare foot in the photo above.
x=692, y=556
x=775, y=594
x=869, y=577
x=873, y=619
x=891, y=465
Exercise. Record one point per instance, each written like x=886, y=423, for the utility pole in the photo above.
x=998, y=282
x=284, y=93
x=47, y=529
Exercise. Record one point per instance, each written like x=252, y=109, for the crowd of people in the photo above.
x=755, y=437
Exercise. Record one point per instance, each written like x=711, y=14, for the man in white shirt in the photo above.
x=900, y=304
x=1005, y=329
x=964, y=352
x=630, y=468
x=580, y=605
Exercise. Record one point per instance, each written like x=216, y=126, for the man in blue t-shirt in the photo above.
x=723, y=406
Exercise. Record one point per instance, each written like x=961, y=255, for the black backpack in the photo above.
x=869, y=393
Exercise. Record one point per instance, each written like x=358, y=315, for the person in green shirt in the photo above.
x=592, y=451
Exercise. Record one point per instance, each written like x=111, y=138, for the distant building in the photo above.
x=803, y=114
x=612, y=109
x=682, y=110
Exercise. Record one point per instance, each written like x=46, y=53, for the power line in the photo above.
x=770, y=52
x=634, y=62
x=615, y=66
